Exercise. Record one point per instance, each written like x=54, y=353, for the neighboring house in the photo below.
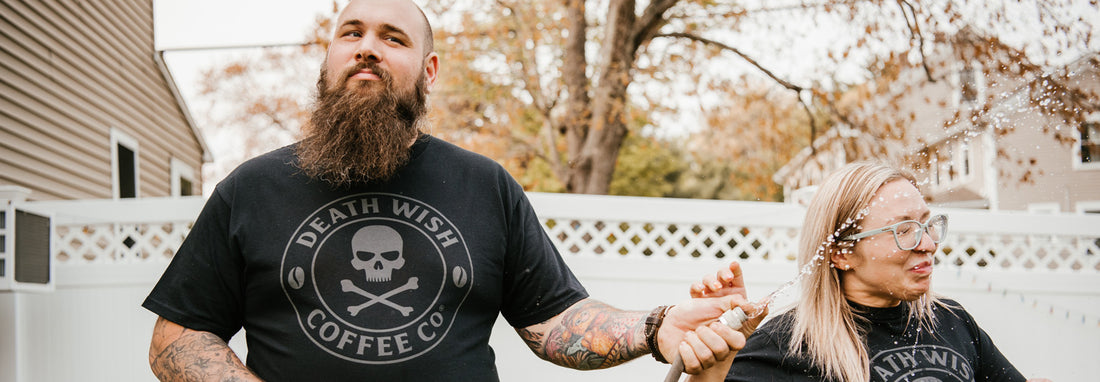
x=1011, y=156
x=88, y=110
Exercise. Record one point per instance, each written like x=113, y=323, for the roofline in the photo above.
x=207, y=157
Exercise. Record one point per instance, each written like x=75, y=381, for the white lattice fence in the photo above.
x=609, y=237
x=624, y=227
x=1012, y=271
x=585, y=225
x=1053, y=253
x=110, y=243
x=1022, y=242
x=122, y=231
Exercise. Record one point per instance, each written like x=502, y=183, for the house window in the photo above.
x=124, y=165
x=1088, y=207
x=951, y=164
x=970, y=84
x=183, y=178
x=1090, y=143
x=968, y=87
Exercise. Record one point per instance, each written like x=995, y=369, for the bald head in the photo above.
x=426, y=36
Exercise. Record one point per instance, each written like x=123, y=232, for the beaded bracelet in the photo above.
x=652, y=325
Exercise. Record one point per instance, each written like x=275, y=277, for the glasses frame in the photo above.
x=923, y=227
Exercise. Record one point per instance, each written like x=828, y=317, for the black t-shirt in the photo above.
x=957, y=350
x=401, y=280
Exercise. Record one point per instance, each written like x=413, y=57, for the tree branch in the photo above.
x=651, y=20
x=738, y=52
x=914, y=31
x=786, y=84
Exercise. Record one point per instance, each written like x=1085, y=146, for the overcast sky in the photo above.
x=214, y=23
x=191, y=31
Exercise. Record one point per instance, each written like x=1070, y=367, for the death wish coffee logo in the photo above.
x=921, y=363
x=376, y=278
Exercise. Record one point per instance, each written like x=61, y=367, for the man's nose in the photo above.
x=367, y=50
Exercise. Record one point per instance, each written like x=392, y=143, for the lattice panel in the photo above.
x=654, y=239
x=1035, y=253
x=768, y=244
x=118, y=243
x=157, y=241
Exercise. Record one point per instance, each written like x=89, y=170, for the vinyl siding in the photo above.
x=69, y=73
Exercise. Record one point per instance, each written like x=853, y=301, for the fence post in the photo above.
x=9, y=321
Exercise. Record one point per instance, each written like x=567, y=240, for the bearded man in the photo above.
x=370, y=250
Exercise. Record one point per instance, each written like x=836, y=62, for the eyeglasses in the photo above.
x=908, y=234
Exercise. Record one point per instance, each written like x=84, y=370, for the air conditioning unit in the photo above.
x=25, y=261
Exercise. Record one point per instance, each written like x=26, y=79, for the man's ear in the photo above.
x=431, y=69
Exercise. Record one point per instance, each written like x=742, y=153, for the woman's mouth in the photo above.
x=923, y=268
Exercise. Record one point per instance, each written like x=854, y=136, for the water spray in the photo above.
x=736, y=317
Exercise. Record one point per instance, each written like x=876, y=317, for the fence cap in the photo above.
x=666, y=210
x=13, y=194
x=964, y=220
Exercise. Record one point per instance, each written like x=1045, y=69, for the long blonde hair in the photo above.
x=825, y=328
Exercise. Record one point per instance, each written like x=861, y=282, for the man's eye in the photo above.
x=352, y=34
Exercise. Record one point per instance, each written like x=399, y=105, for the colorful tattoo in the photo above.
x=591, y=335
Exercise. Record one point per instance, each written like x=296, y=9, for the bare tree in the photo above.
x=574, y=76
x=556, y=86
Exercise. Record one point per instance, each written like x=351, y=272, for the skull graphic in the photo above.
x=377, y=251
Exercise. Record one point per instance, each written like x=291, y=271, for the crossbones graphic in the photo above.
x=348, y=286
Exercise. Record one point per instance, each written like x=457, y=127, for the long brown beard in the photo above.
x=363, y=132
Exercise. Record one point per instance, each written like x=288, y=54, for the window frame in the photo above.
x=963, y=163
x=179, y=170
x=979, y=84
x=1090, y=118
x=1087, y=207
x=120, y=138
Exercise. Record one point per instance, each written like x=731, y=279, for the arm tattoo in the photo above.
x=591, y=335
x=200, y=356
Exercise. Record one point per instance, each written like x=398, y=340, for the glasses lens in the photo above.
x=937, y=228
x=908, y=234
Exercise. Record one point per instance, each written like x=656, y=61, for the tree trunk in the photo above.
x=590, y=172
x=576, y=121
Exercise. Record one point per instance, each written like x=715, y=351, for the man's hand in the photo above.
x=691, y=329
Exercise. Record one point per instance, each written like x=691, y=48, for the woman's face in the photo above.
x=876, y=272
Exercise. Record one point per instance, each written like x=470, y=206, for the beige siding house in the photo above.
x=88, y=109
x=1012, y=156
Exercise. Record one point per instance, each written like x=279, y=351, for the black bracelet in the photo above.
x=652, y=325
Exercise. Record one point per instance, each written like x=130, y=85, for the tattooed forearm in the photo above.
x=533, y=340
x=198, y=356
x=589, y=335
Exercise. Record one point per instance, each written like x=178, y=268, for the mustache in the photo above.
x=374, y=68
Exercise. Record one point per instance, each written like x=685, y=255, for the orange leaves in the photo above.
x=234, y=69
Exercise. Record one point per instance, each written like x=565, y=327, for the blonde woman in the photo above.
x=866, y=312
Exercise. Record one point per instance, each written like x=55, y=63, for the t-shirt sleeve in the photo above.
x=201, y=288
x=537, y=283
x=762, y=359
x=991, y=364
